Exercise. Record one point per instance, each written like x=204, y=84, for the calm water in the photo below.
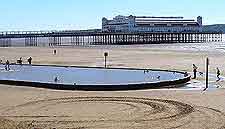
x=84, y=76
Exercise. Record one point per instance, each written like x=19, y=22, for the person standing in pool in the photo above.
x=218, y=74
x=195, y=71
x=56, y=79
x=7, y=65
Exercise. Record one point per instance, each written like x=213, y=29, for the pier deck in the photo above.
x=82, y=38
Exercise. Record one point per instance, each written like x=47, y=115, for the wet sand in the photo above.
x=25, y=107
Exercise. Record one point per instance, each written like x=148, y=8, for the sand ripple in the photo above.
x=114, y=112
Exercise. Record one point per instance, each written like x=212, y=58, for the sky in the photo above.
x=22, y=15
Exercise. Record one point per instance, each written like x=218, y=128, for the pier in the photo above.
x=85, y=38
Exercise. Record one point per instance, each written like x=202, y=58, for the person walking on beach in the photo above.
x=29, y=60
x=218, y=74
x=20, y=61
x=195, y=71
x=54, y=52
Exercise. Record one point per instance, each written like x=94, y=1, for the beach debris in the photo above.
x=146, y=71
x=158, y=77
x=185, y=74
x=201, y=73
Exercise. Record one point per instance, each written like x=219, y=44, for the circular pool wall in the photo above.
x=89, y=78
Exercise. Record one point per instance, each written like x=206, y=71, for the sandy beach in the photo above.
x=24, y=107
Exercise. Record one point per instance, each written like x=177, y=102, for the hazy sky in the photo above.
x=84, y=14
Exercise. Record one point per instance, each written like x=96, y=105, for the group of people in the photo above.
x=20, y=61
x=29, y=60
x=195, y=72
x=6, y=64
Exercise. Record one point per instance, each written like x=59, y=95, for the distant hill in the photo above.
x=214, y=28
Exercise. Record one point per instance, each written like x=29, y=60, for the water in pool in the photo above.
x=84, y=76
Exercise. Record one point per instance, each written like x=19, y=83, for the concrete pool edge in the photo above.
x=116, y=87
